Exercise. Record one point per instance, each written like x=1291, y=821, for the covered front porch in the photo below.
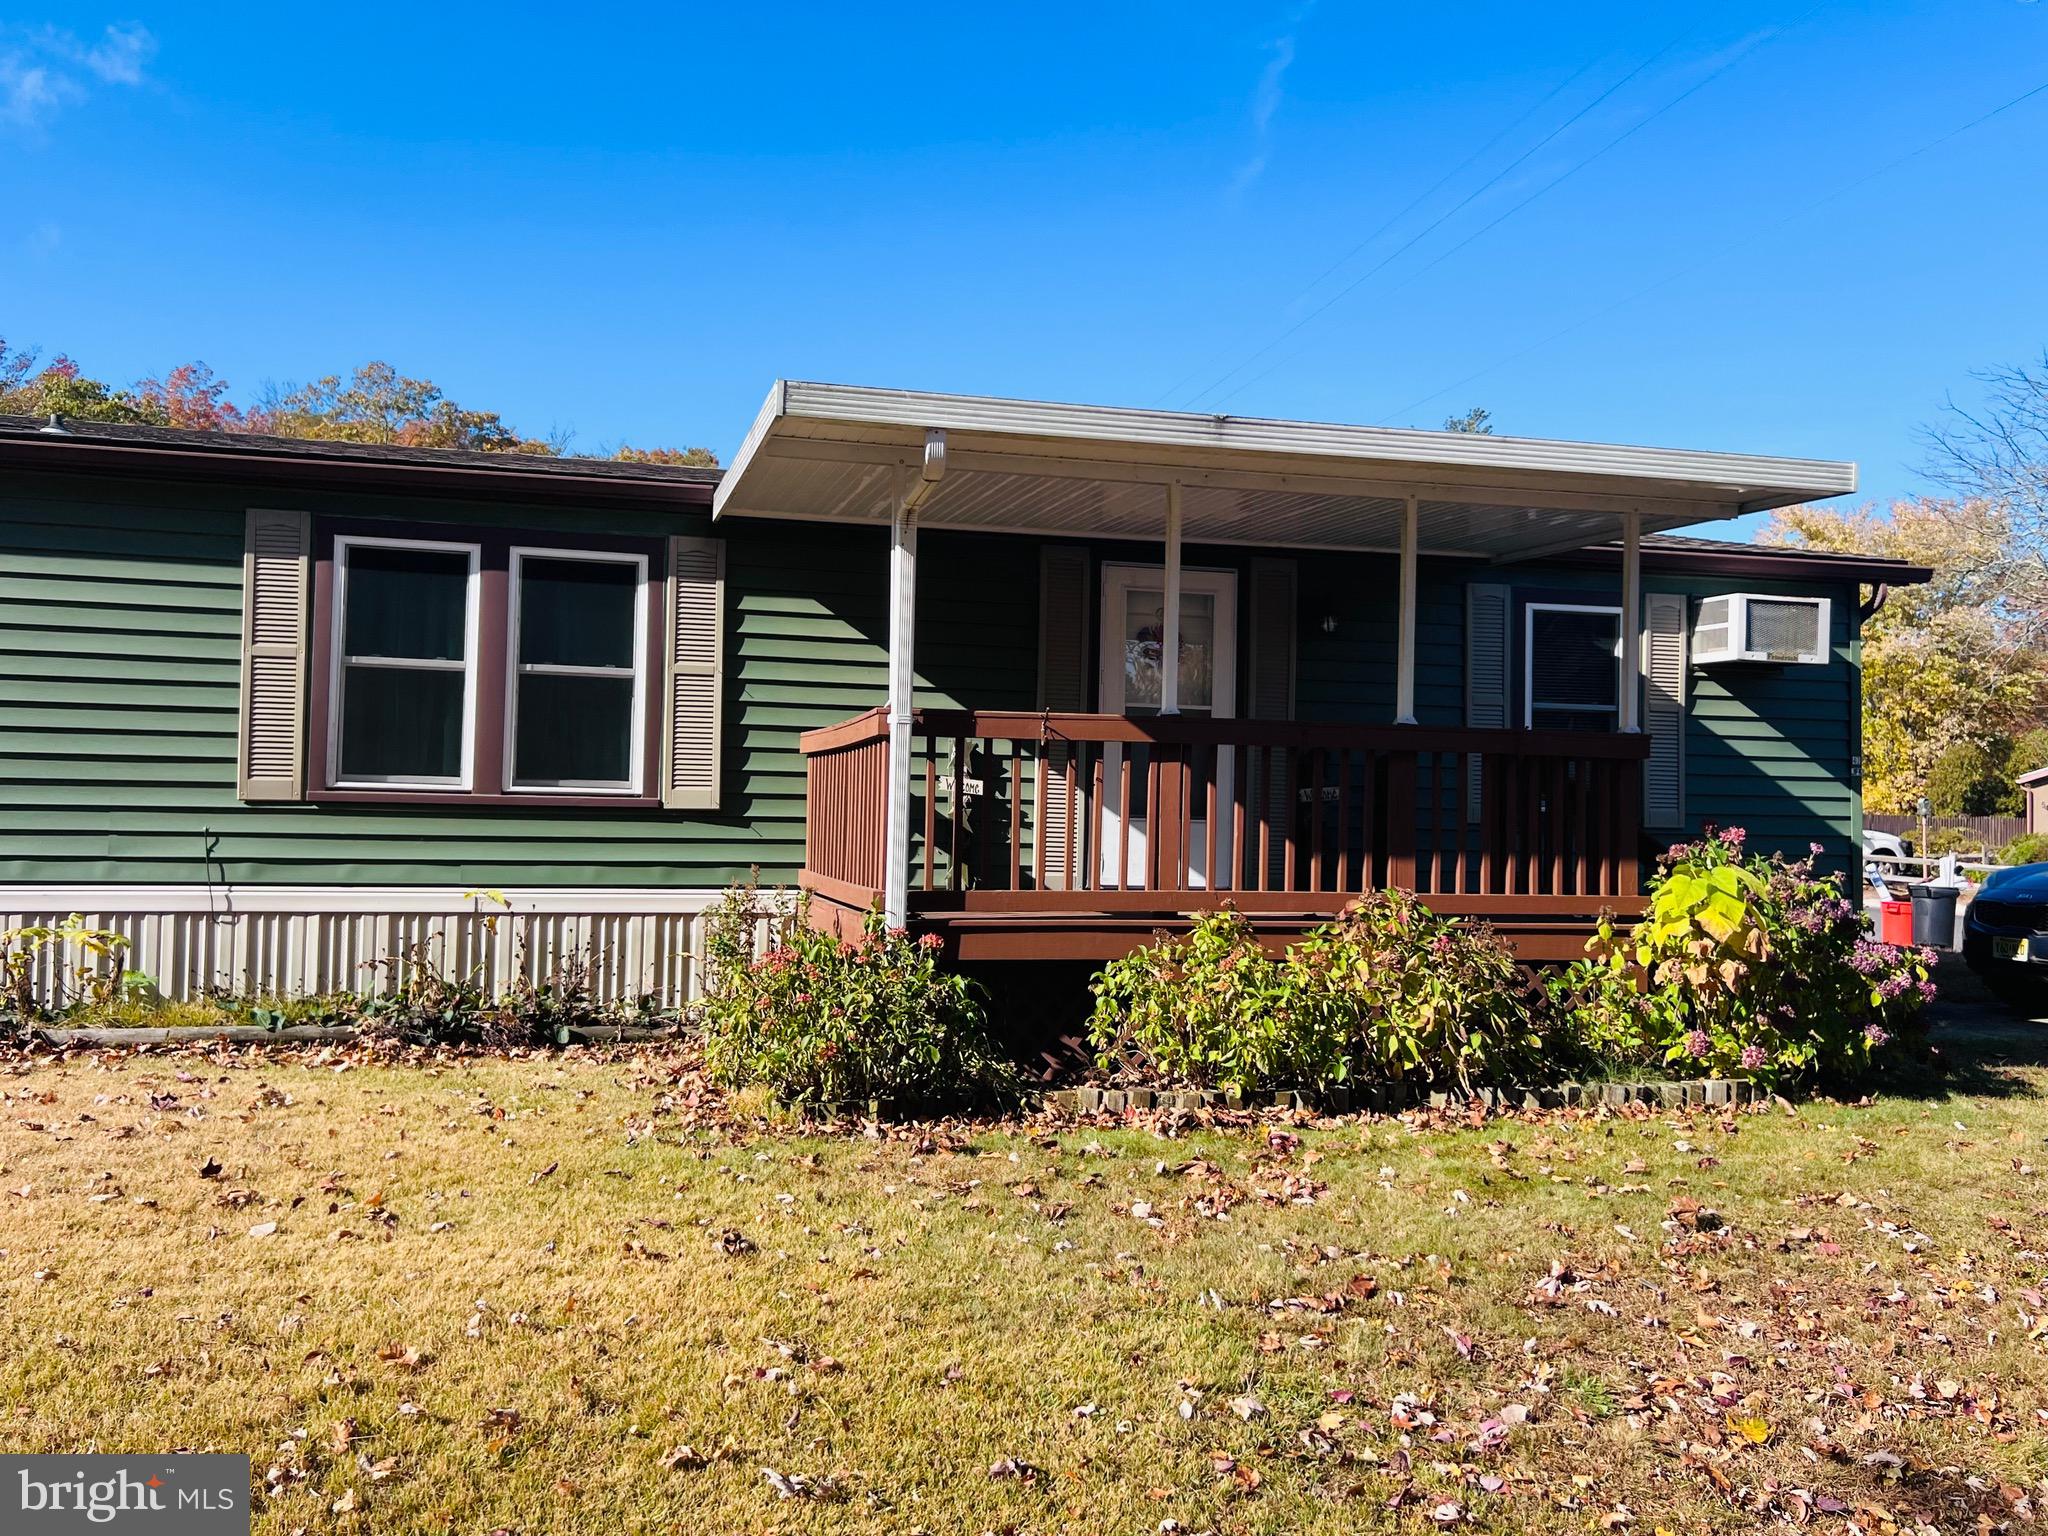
x=1178, y=755
x=1072, y=836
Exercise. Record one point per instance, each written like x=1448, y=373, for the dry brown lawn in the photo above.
x=573, y=1295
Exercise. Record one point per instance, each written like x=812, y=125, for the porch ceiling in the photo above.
x=840, y=453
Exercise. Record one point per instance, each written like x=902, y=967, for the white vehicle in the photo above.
x=1880, y=850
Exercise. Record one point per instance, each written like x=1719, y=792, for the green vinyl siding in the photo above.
x=1774, y=750
x=120, y=625
x=120, y=622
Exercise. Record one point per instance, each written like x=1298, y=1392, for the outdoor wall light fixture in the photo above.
x=1329, y=623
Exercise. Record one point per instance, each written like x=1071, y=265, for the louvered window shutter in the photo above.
x=695, y=681
x=1664, y=615
x=1487, y=607
x=276, y=560
x=1271, y=697
x=1063, y=609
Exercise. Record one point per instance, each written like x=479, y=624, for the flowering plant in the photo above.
x=1750, y=965
x=1388, y=990
x=1210, y=1008
x=1417, y=994
x=825, y=1019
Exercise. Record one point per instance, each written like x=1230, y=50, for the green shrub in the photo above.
x=1412, y=994
x=1957, y=840
x=1746, y=966
x=1214, y=1010
x=826, y=1021
x=1387, y=991
x=2027, y=848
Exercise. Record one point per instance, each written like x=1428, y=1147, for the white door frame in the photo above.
x=1118, y=579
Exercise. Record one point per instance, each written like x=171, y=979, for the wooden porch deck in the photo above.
x=1040, y=836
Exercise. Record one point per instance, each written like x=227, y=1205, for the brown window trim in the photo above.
x=488, y=775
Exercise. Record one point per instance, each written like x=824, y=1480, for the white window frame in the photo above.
x=632, y=785
x=1529, y=701
x=337, y=674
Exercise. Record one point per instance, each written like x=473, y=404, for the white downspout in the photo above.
x=1631, y=711
x=1404, y=661
x=903, y=675
x=1169, y=640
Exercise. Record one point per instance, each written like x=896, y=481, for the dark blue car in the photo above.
x=2005, y=932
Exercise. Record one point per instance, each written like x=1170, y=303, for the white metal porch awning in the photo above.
x=843, y=453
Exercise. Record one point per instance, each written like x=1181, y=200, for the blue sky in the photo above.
x=625, y=224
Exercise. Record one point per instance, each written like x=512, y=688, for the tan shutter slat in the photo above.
x=695, y=681
x=1487, y=607
x=276, y=563
x=1271, y=697
x=1064, y=607
x=1664, y=615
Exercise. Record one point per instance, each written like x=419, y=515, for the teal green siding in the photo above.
x=120, y=604
x=120, y=624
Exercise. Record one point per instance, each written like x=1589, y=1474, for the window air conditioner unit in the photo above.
x=1747, y=626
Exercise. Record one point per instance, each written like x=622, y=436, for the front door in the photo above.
x=1133, y=632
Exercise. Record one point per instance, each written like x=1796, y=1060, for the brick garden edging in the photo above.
x=1391, y=1098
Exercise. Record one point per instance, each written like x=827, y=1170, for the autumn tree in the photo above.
x=374, y=404
x=1949, y=664
x=190, y=396
x=687, y=458
x=378, y=404
x=60, y=388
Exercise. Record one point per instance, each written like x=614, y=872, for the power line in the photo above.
x=1434, y=187
x=1542, y=191
x=1746, y=239
x=1429, y=228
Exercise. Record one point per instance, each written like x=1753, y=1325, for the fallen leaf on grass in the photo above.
x=795, y=1485
x=1756, y=1431
x=403, y=1356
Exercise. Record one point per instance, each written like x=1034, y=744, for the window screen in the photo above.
x=578, y=683
x=1574, y=668
x=406, y=667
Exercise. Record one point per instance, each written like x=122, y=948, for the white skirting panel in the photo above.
x=259, y=941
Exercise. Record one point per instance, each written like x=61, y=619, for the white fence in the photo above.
x=297, y=941
x=1915, y=868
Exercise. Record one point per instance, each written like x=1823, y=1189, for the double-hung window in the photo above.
x=1571, y=667
x=493, y=666
x=577, y=694
x=404, y=684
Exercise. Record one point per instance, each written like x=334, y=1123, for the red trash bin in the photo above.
x=1895, y=922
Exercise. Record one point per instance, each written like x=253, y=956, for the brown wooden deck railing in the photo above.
x=1031, y=812
x=846, y=796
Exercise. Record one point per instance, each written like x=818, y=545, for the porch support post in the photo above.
x=902, y=684
x=1404, y=661
x=1631, y=712
x=1169, y=640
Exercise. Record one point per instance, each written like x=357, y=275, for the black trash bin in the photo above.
x=1934, y=915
